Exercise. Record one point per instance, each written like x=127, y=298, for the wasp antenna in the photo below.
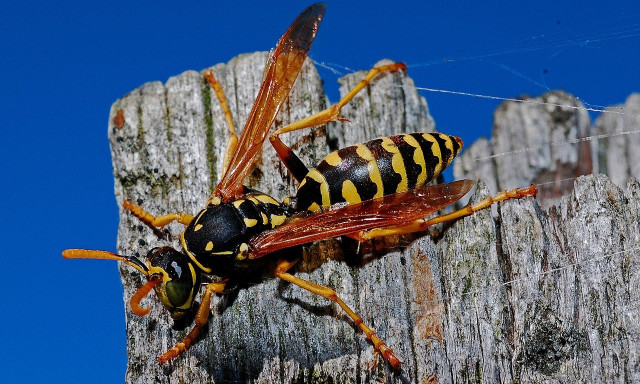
x=131, y=261
x=140, y=294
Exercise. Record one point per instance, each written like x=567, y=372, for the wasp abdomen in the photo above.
x=376, y=168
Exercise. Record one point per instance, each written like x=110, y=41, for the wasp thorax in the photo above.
x=179, y=279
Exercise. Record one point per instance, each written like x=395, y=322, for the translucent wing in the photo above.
x=281, y=71
x=396, y=209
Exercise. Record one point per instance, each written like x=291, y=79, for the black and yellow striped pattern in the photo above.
x=376, y=168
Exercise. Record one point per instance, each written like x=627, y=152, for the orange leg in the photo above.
x=422, y=224
x=330, y=294
x=290, y=160
x=159, y=221
x=201, y=319
x=233, y=137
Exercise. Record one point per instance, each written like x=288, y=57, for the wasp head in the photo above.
x=169, y=272
x=176, y=279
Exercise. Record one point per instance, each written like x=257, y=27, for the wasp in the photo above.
x=375, y=189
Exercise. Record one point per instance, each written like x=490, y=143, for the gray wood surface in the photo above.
x=549, y=128
x=527, y=296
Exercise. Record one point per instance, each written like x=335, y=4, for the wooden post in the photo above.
x=530, y=296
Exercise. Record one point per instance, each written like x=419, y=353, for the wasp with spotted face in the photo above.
x=369, y=190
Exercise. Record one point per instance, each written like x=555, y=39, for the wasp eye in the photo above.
x=179, y=288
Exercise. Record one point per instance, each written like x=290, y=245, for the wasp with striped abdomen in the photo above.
x=363, y=191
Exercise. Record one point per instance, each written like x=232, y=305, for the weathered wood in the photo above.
x=535, y=141
x=528, y=296
x=616, y=154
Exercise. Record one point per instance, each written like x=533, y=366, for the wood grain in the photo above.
x=527, y=296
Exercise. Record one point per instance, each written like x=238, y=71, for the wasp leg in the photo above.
x=233, y=137
x=201, y=319
x=159, y=221
x=330, y=294
x=290, y=160
x=422, y=224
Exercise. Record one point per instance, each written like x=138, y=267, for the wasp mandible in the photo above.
x=375, y=189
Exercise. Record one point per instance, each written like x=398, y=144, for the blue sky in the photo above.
x=62, y=65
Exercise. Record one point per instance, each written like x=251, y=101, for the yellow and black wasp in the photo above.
x=363, y=191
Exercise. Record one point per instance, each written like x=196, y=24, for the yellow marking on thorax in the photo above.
x=209, y=246
x=197, y=227
x=418, y=158
x=192, y=256
x=435, y=149
x=267, y=199
x=238, y=203
x=244, y=247
x=314, y=207
x=277, y=220
x=214, y=200
x=254, y=200
x=333, y=159
x=250, y=222
x=265, y=219
x=324, y=187
x=350, y=192
x=197, y=219
x=396, y=163
x=374, y=171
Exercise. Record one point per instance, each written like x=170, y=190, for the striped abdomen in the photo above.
x=376, y=168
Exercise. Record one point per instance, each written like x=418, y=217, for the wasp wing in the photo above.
x=282, y=69
x=396, y=209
